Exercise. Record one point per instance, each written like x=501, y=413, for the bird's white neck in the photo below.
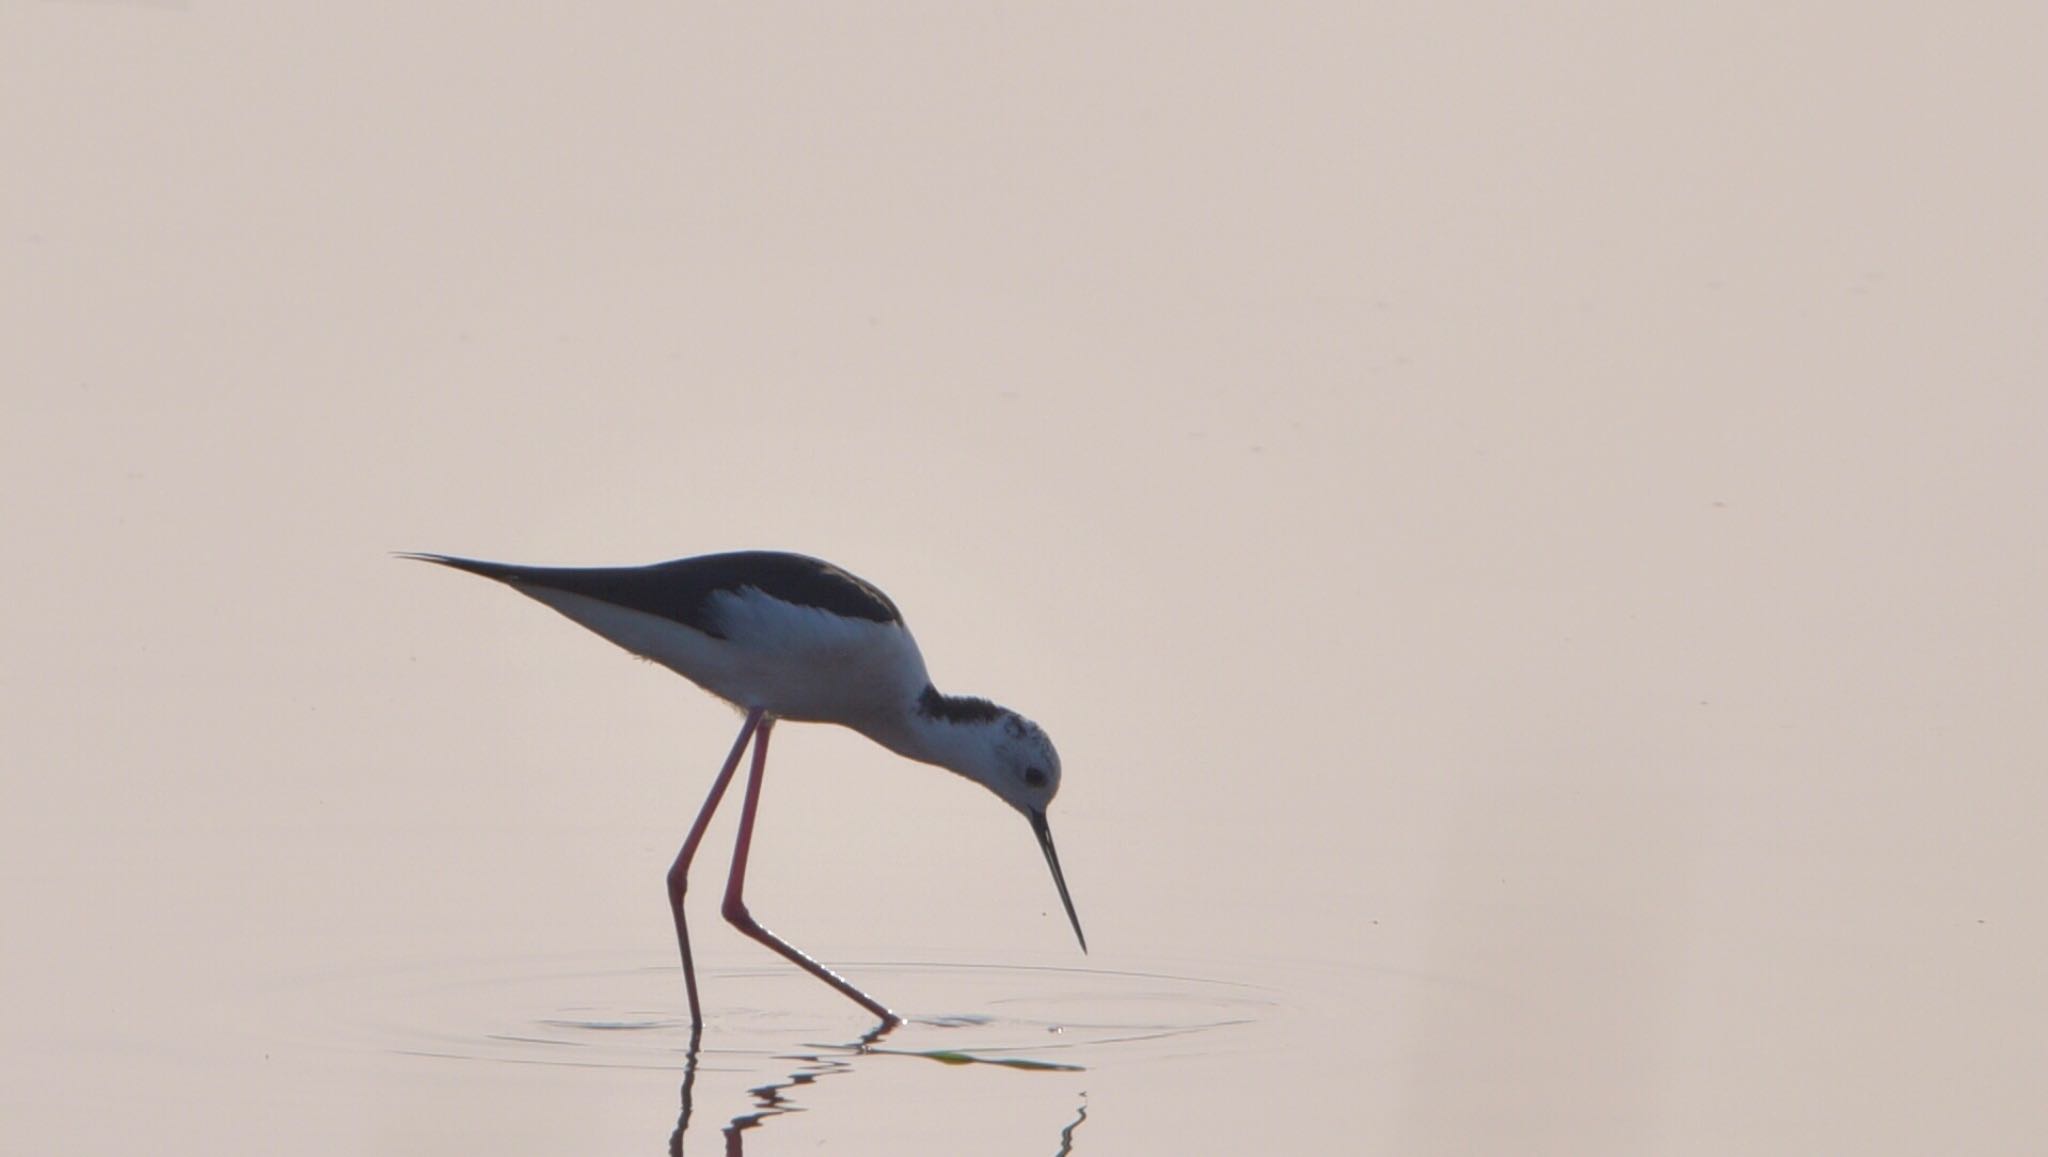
x=954, y=733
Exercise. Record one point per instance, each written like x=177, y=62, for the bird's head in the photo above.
x=1021, y=765
x=1012, y=757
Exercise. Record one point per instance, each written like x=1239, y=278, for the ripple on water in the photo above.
x=619, y=1015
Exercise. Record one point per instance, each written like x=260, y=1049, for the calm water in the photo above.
x=1523, y=530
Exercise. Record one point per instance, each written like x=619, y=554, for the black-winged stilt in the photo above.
x=785, y=636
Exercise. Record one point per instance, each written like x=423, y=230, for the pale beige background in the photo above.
x=1525, y=523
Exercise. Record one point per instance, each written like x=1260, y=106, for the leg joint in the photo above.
x=735, y=912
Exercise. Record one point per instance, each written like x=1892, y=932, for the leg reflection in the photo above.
x=769, y=1100
x=675, y=1140
x=772, y=1100
x=1067, y=1134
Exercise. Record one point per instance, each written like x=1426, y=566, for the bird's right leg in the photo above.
x=735, y=908
x=679, y=872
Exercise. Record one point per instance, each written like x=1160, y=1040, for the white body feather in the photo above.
x=799, y=663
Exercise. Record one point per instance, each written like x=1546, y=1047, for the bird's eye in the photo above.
x=1034, y=776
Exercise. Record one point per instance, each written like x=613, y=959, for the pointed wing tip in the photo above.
x=488, y=570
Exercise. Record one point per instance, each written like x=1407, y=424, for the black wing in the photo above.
x=681, y=590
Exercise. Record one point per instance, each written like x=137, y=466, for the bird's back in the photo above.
x=682, y=591
x=791, y=633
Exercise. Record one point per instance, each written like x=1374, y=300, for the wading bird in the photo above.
x=787, y=637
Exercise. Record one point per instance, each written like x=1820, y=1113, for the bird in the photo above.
x=787, y=637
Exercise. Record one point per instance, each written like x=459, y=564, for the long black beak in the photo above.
x=1052, y=860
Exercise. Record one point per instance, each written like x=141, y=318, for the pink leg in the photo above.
x=679, y=872
x=736, y=909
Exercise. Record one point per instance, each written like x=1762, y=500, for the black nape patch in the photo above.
x=681, y=590
x=956, y=708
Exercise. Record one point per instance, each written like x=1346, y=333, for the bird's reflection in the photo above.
x=770, y=1100
x=1067, y=1134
